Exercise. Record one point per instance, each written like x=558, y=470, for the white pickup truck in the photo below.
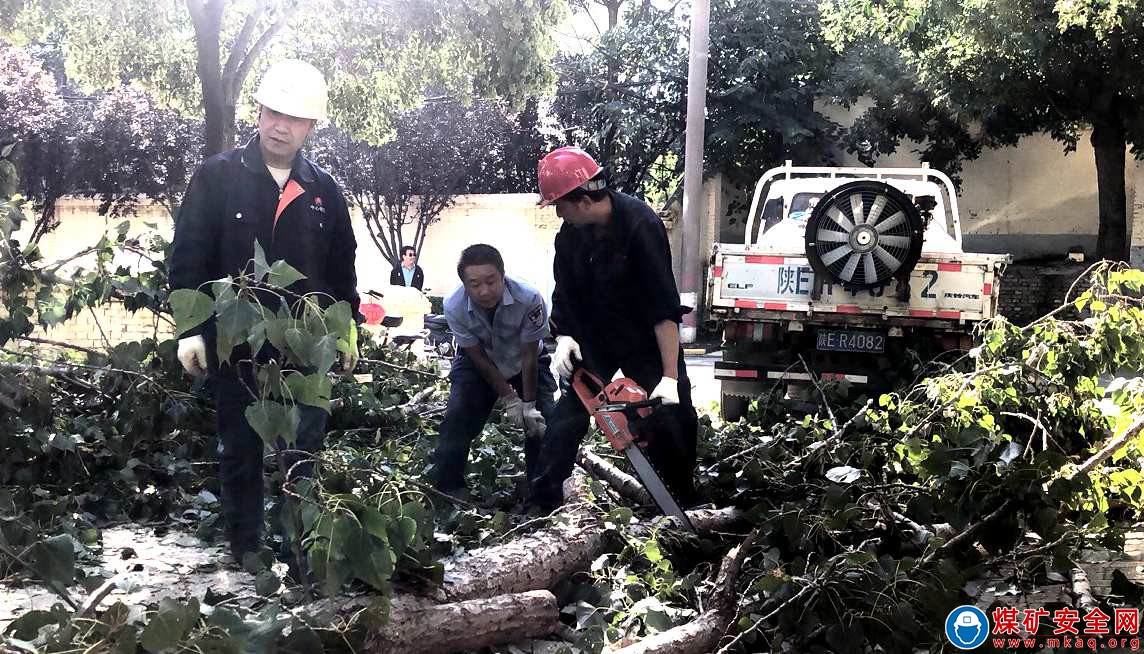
x=844, y=269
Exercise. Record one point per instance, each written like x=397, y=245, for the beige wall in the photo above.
x=512, y=223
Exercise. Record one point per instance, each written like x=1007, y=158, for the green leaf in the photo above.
x=191, y=308
x=338, y=318
x=271, y=421
x=170, y=624
x=311, y=390
x=27, y=626
x=234, y=322
x=301, y=641
x=275, y=329
x=261, y=268
x=283, y=274
x=266, y=583
x=843, y=474
x=375, y=524
x=54, y=560
x=301, y=346
x=326, y=353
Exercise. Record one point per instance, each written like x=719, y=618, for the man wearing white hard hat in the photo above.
x=264, y=191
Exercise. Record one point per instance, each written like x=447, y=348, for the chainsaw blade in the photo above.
x=654, y=485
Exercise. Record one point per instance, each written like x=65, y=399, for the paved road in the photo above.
x=704, y=387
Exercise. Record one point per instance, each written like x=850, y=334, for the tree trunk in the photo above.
x=471, y=625
x=543, y=558
x=1108, y=142
x=207, y=20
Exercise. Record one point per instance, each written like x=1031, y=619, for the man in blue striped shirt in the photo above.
x=499, y=323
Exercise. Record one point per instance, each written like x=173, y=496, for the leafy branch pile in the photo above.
x=870, y=519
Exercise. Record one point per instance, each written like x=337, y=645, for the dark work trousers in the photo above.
x=671, y=448
x=241, y=453
x=471, y=401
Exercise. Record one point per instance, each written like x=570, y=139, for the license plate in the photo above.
x=851, y=340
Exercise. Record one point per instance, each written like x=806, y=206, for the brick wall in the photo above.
x=111, y=322
x=1029, y=291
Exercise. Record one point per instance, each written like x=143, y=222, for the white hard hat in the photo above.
x=294, y=88
x=968, y=619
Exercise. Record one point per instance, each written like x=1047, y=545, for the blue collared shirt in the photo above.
x=521, y=317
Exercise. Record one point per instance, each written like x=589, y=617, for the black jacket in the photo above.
x=232, y=200
x=397, y=277
x=611, y=292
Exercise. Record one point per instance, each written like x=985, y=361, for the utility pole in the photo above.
x=693, y=167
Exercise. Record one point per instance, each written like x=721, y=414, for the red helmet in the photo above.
x=564, y=170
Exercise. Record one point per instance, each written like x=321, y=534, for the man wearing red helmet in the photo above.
x=615, y=307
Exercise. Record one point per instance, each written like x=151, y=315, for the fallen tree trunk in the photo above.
x=626, y=485
x=702, y=634
x=469, y=625
x=542, y=559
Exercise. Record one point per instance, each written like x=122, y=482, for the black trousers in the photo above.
x=471, y=400
x=672, y=449
x=241, y=455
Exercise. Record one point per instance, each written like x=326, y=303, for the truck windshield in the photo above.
x=772, y=214
x=803, y=204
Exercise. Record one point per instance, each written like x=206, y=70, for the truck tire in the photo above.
x=863, y=234
x=732, y=407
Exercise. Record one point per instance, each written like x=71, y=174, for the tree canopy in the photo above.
x=114, y=146
x=380, y=58
x=1003, y=70
x=439, y=150
x=626, y=100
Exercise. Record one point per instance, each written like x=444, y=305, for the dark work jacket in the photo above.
x=232, y=200
x=611, y=292
x=397, y=277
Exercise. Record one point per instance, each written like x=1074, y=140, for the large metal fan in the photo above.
x=863, y=234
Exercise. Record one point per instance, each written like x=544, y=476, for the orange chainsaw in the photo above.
x=619, y=409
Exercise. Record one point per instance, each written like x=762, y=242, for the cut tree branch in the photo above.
x=626, y=485
x=1110, y=449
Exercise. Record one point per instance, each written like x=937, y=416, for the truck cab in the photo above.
x=839, y=273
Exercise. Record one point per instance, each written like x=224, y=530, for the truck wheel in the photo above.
x=863, y=234
x=732, y=407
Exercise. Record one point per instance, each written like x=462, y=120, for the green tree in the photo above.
x=379, y=57
x=626, y=100
x=438, y=152
x=1012, y=68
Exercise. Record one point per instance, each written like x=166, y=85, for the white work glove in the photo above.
x=513, y=409
x=534, y=424
x=193, y=355
x=567, y=353
x=349, y=362
x=667, y=390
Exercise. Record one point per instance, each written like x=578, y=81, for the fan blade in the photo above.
x=887, y=258
x=856, y=208
x=831, y=236
x=869, y=271
x=848, y=272
x=891, y=222
x=835, y=254
x=840, y=219
x=895, y=241
x=876, y=210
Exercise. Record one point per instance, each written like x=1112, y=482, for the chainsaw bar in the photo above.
x=654, y=485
